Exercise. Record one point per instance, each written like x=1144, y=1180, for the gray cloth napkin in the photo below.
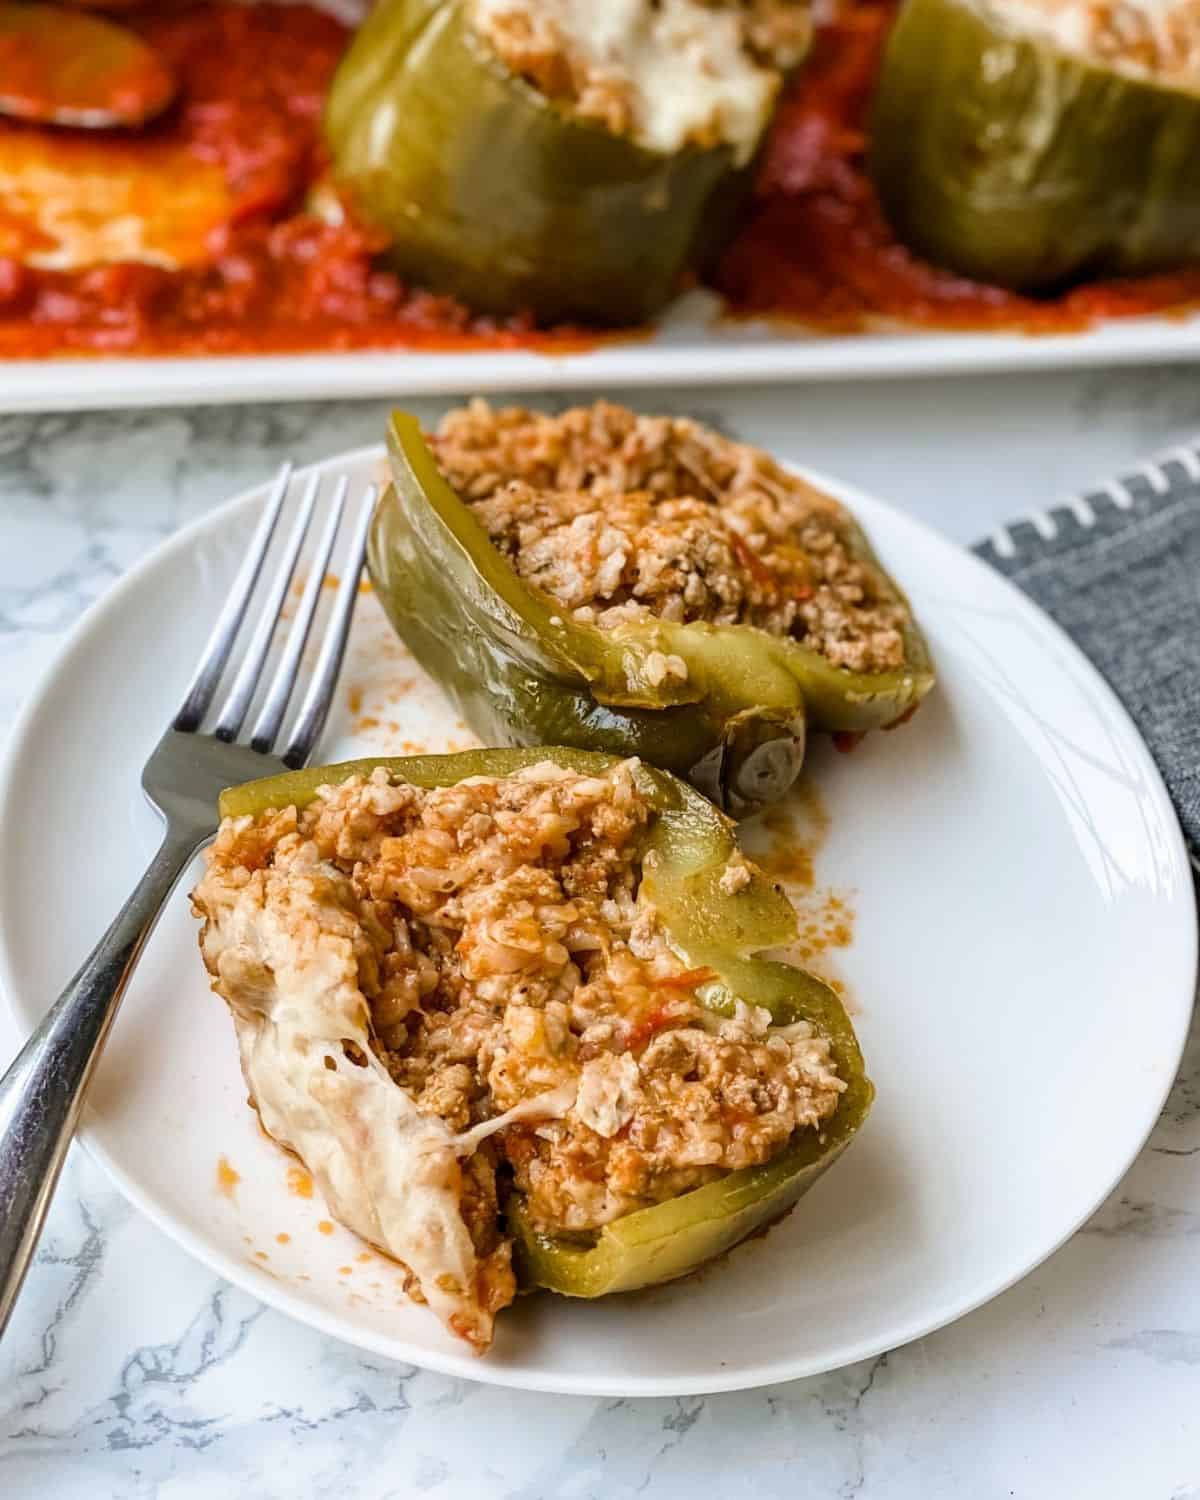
x=1119, y=569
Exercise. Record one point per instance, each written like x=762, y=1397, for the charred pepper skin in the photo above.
x=686, y=851
x=522, y=671
x=1004, y=158
x=500, y=197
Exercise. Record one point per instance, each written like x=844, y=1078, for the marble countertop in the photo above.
x=131, y=1372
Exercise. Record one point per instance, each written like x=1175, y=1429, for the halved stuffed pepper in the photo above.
x=507, y=1008
x=556, y=155
x=639, y=585
x=1030, y=144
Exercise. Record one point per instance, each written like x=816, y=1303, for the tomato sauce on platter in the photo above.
x=275, y=276
x=815, y=246
x=269, y=274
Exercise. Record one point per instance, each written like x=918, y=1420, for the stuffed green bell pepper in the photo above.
x=550, y=156
x=642, y=586
x=509, y=1009
x=1034, y=143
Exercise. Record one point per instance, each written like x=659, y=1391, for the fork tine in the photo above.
x=246, y=682
x=217, y=648
x=270, y=718
x=315, y=709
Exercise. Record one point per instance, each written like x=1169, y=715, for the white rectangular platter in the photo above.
x=692, y=347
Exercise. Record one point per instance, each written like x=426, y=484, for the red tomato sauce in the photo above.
x=275, y=277
x=252, y=83
x=815, y=245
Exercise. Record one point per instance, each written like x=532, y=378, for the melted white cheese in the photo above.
x=1147, y=39
x=684, y=64
x=69, y=202
x=287, y=968
x=552, y=1105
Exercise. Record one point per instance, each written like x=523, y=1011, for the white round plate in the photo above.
x=1021, y=974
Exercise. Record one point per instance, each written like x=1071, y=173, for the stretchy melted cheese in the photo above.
x=287, y=963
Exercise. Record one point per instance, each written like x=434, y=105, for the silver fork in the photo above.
x=42, y=1093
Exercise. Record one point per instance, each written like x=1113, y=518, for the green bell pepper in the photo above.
x=685, y=852
x=1003, y=157
x=502, y=198
x=520, y=671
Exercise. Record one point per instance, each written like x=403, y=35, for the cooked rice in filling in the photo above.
x=506, y=963
x=617, y=517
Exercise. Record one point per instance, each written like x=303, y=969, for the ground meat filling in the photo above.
x=508, y=966
x=617, y=517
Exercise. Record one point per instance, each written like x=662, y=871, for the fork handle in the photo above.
x=42, y=1093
